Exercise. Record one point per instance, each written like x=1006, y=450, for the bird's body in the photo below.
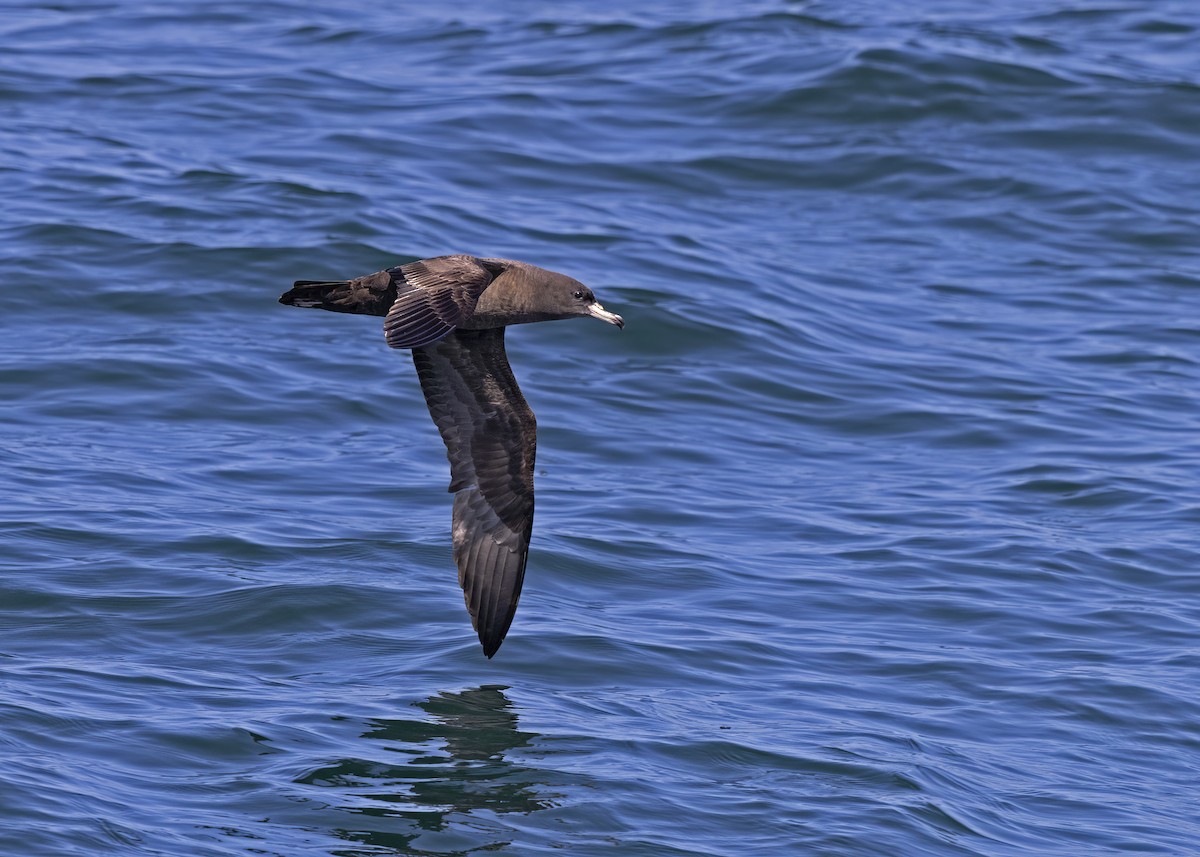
x=452, y=311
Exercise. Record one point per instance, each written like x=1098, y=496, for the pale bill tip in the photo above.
x=594, y=309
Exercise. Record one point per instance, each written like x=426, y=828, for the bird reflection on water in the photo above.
x=451, y=767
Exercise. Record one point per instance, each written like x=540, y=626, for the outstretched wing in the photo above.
x=491, y=439
x=434, y=297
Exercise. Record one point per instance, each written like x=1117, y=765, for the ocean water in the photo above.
x=875, y=532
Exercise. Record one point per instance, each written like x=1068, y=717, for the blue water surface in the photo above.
x=874, y=532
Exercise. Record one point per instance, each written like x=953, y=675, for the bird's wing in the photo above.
x=491, y=439
x=434, y=297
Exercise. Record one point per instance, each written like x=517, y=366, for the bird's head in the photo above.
x=540, y=295
x=582, y=301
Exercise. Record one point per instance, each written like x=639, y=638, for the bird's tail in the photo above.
x=324, y=294
x=370, y=295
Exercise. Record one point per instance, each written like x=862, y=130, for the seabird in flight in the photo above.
x=452, y=311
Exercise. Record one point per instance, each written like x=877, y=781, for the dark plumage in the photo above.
x=452, y=311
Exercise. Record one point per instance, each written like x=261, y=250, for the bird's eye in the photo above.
x=579, y=294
